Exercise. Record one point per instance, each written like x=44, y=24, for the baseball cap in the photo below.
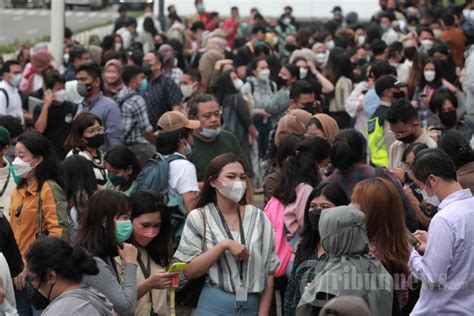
x=336, y=9
x=386, y=82
x=174, y=120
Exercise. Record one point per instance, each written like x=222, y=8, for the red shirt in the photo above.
x=227, y=27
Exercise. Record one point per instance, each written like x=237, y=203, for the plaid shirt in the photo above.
x=134, y=116
x=160, y=96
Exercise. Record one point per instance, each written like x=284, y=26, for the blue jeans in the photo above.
x=215, y=302
x=23, y=305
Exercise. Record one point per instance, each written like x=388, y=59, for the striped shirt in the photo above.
x=224, y=274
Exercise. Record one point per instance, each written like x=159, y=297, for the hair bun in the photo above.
x=84, y=262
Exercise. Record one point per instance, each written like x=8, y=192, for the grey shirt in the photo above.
x=123, y=296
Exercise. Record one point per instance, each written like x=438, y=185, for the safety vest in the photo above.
x=375, y=132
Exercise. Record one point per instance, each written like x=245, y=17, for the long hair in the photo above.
x=437, y=82
x=121, y=157
x=310, y=238
x=144, y=202
x=75, y=139
x=300, y=167
x=224, y=86
x=208, y=193
x=49, y=168
x=385, y=217
x=97, y=232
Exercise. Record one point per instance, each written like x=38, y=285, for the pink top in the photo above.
x=294, y=212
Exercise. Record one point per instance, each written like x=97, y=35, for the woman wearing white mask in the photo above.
x=235, y=110
x=54, y=118
x=229, y=242
x=38, y=203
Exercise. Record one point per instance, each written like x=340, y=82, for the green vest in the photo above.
x=377, y=146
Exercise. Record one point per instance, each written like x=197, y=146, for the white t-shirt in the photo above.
x=182, y=177
x=14, y=101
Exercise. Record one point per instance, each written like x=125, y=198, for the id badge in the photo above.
x=241, y=298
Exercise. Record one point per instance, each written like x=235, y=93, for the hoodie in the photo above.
x=82, y=301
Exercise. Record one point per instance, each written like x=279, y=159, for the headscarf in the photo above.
x=329, y=125
x=306, y=53
x=344, y=239
x=113, y=88
x=294, y=122
x=206, y=65
x=346, y=306
x=96, y=54
x=167, y=58
x=41, y=59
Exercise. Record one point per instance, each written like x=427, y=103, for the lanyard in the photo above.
x=146, y=273
x=242, y=238
x=5, y=185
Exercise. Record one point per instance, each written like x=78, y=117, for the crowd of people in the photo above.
x=245, y=165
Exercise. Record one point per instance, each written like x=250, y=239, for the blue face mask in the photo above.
x=143, y=85
x=188, y=149
x=210, y=133
x=15, y=81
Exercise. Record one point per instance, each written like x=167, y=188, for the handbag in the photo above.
x=188, y=294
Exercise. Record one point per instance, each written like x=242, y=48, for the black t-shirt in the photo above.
x=60, y=118
x=9, y=247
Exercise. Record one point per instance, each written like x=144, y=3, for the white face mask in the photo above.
x=264, y=74
x=437, y=33
x=187, y=90
x=238, y=84
x=286, y=21
x=320, y=58
x=118, y=46
x=21, y=167
x=429, y=75
x=233, y=190
x=427, y=44
x=361, y=40
x=66, y=58
x=330, y=44
x=303, y=73
x=60, y=96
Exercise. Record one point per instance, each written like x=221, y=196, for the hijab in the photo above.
x=294, y=122
x=167, y=53
x=329, y=125
x=115, y=87
x=344, y=239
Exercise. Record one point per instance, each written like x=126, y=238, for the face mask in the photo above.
x=188, y=149
x=427, y=44
x=95, y=141
x=303, y=73
x=448, y=119
x=15, y=81
x=259, y=43
x=429, y=75
x=38, y=300
x=264, y=74
x=286, y=21
x=330, y=44
x=408, y=139
x=144, y=236
x=143, y=85
x=437, y=33
x=433, y=200
x=399, y=95
x=238, y=84
x=314, y=215
x=320, y=58
x=187, y=90
x=385, y=27
x=84, y=88
x=118, y=46
x=309, y=107
x=175, y=62
x=323, y=171
x=361, y=40
x=210, y=133
x=290, y=47
x=115, y=179
x=20, y=167
x=66, y=58
x=200, y=8
x=147, y=69
x=233, y=190
x=60, y=96
x=123, y=230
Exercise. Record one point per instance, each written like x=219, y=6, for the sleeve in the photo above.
x=7, y=282
x=144, y=122
x=291, y=289
x=278, y=104
x=36, y=113
x=191, y=245
x=271, y=262
x=3, y=103
x=187, y=179
x=127, y=117
x=353, y=100
x=113, y=125
x=243, y=111
x=343, y=89
x=433, y=267
x=122, y=296
x=54, y=211
x=10, y=248
x=294, y=212
x=173, y=93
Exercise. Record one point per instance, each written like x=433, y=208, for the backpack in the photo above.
x=272, y=86
x=274, y=211
x=6, y=96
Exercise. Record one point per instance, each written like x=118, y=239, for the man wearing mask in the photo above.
x=406, y=128
x=162, y=93
x=89, y=83
x=210, y=140
x=425, y=39
x=246, y=54
x=138, y=132
x=380, y=136
x=78, y=56
x=54, y=117
x=389, y=35
x=190, y=85
x=10, y=100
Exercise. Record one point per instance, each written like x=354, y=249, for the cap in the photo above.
x=336, y=9
x=174, y=120
x=386, y=82
x=4, y=137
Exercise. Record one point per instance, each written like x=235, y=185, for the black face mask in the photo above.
x=95, y=141
x=399, y=95
x=408, y=139
x=147, y=70
x=448, y=119
x=314, y=215
x=309, y=107
x=290, y=47
x=38, y=300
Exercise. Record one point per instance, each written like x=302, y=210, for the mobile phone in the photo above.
x=177, y=267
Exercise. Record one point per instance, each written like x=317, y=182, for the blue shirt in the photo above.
x=447, y=267
x=371, y=102
x=109, y=113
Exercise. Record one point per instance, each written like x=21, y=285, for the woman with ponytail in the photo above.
x=55, y=269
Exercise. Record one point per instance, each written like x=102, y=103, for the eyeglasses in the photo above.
x=216, y=114
x=95, y=130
